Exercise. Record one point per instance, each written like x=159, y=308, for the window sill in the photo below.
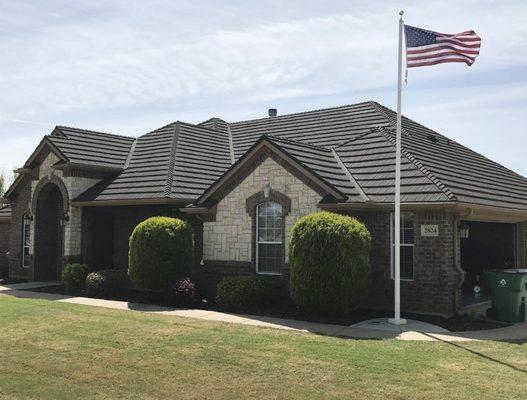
x=269, y=273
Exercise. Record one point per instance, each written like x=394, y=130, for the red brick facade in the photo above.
x=20, y=205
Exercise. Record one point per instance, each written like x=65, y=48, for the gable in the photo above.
x=261, y=151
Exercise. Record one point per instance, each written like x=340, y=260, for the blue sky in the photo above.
x=128, y=67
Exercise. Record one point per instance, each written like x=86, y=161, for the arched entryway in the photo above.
x=49, y=233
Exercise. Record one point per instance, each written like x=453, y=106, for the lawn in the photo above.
x=65, y=351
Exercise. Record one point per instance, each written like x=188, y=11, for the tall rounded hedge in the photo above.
x=330, y=262
x=161, y=253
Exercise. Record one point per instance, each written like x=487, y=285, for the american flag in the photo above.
x=429, y=48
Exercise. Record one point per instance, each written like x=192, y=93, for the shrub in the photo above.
x=329, y=257
x=161, y=252
x=181, y=294
x=107, y=282
x=245, y=293
x=74, y=276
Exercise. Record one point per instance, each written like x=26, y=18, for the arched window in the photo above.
x=269, y=238
x=26, y=240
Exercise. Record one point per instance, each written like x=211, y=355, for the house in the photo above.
x=242, y=185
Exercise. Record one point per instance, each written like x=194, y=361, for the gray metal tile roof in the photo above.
x=177, y=161
x=328, y=127
x=92, y=148
x=349, y=147
x=322, y=162
x=469, y=176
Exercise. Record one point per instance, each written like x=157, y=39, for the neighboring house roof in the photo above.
x=5, y=213
x=350, y=148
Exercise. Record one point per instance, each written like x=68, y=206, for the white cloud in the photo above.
x=132, y=66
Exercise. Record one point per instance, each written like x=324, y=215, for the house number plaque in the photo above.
x=429, y=230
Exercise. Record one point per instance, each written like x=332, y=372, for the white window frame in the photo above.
x=392, y=248
x=26, y=230
x=258, y=242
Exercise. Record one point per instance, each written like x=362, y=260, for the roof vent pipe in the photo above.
x=273, y=112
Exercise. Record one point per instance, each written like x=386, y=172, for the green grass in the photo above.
x=64, y=351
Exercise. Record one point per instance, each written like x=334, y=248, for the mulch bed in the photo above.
x=290, y=311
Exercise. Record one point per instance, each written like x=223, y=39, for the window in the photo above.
x=26, y=240
x=407, y=245
x=269, y=238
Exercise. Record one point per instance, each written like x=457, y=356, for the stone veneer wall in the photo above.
x=229, y=237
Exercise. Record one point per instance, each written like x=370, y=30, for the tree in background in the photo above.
x=3, y=183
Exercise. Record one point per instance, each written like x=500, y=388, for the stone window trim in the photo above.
x=26, y=259
x=251, y=205
x=51, y=178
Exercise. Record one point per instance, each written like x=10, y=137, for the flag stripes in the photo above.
x=425, y=47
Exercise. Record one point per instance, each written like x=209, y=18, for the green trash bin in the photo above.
x=509, y=291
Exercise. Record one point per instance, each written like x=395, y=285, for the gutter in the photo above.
x=89, y=167
x=131, y=202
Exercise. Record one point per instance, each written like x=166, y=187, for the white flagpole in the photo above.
x=397, y=320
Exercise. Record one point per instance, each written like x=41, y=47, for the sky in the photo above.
x=128, y=67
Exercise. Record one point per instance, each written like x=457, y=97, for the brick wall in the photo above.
x=230, y=237
x=20, y=205
x=4, y=236
x=26, y=196
x=123, y=220
x=436, y=260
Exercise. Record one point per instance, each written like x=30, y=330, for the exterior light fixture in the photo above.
x=267, y=190
x=28, y=217
x=464, y=230
x=65, y=219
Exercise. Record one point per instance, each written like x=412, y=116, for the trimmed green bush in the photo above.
x=330, y=262
x=246, y=293
x=74, y=276
x=161, y=253
x=107, y=282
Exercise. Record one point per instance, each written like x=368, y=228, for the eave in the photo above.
x=131, y=202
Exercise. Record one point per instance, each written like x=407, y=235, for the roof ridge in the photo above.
x=430, y=175
x=172, y=162
x=201, y=127
x=448, y=139
x=357, y=137
x=350, y=176
x=301, y=113
x=213, y=119
x=59, y=127
x=314, y=146
x=130, y=154
x=158, y=129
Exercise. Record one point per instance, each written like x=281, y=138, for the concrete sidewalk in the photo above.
x=415, y=330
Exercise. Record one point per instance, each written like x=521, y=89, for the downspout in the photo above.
x=457, y=266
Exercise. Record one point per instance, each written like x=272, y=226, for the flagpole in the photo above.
x=397, y=320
